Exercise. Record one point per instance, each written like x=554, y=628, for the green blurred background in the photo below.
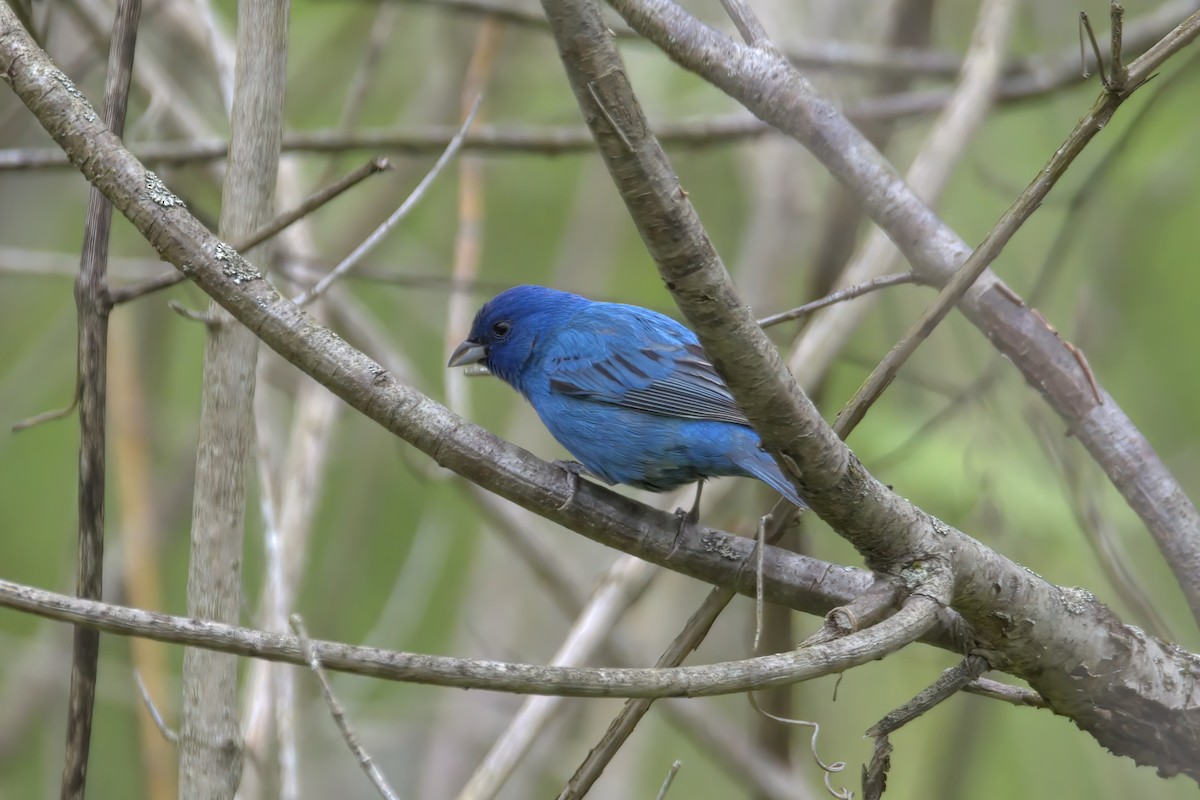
x=401, y=557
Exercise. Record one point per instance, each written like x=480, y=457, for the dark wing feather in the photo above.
x=673, y=379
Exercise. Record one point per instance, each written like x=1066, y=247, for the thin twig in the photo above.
x=315, y=201
x=203, y=316
x=928, y=177
x=948, y=683
x=1118, y=73
x=382, y=27
x=685, y=642
x=622, y=584
x=339, y=714
x=828, y=769
x=841, y=295
x=760, y=548
x=1020, y=211
x=1085, y=29
x=1087, y=191
x=444, y=450
x=272, y=228
x=836, y=56
x=48, y=416
x=1027, y=78
x=725, y=745
x=666, y=784
x=791, y=103
x=747, y=22
x=163, y=728
x=1014, y=695
x=409, y=203
x=91, y=297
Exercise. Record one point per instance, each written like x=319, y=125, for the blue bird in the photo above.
x=627, y=391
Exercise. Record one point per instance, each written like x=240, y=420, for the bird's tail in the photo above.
x=761, y=465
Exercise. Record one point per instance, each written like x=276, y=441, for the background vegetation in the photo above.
x=405, y=556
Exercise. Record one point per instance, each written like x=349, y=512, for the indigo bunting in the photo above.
x=628, y=391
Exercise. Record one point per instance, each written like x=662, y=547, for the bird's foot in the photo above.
x=689, y=517
x=573, y=469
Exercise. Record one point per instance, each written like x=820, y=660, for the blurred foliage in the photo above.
x=401, y=556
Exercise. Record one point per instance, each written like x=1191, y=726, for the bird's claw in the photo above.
x=689, y=517
x=573, y=469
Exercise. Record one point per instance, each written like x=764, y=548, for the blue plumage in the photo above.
x=628, y=391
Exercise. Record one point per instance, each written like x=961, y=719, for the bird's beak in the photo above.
x=467, y=353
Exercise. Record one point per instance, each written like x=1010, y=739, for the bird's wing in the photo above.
x=651, y=368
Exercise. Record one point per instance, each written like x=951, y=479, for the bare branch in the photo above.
x=1015, y=695
x=211, y=750
x=400, y=213
x=267, y=231
x=770, y=87
x=91, y=298
x=918, y=614
x=147, y=701
x=338, y=713
x=1079, y=656
x=685, y=642
x=747, y=23
x=930, y=172
x=949, y=683
x=621, y=585
x=840, y=296
x=666, y=784
x=843, y=57
x=725, y=745
x=874, y=775
x=883, y=527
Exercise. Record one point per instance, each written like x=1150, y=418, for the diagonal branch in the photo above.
x=825, y=335
x=776, y=92
x=885, y=528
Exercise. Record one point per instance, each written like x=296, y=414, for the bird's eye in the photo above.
x=501, y=328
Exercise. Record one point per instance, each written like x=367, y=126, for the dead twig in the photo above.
x=339, y=714
x=91, y=298
x=409, y=203
x=272, y=228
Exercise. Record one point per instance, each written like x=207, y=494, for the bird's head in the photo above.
x=509, y=325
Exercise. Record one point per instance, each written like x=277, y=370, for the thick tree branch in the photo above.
x=775, y=91
x=992, y=593
x=210, y=739
x=1135, y=694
